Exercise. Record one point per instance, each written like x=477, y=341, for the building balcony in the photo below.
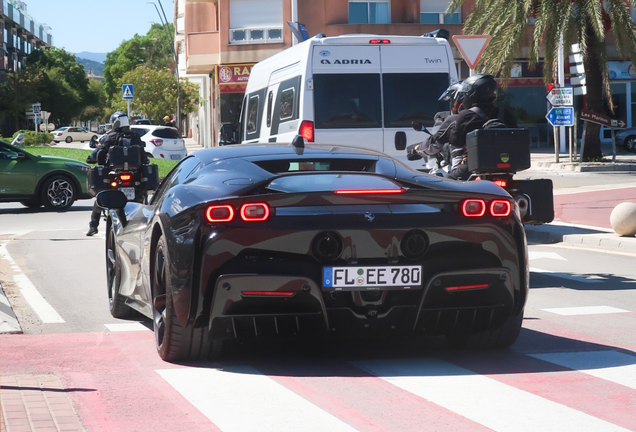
x=202, y=51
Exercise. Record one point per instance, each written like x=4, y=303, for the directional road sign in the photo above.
x=128, y=92
x=471, y=47
x=561, y=96
x=561, y=116
x=602, y=119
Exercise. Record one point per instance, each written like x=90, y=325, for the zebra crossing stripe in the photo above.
x=239, y=399
x=609, y=365
x=498, y=406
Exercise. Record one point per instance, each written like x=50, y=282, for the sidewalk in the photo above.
x=191, y=145
x=584, y=216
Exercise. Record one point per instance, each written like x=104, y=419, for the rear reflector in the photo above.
x=503, y=165
x=369, y=191
x=467, y=287
x=254, y=212
x=500, y=183
x=474, y=208
x=269, y=293
x=306, y=130
x=221, y=213
x=500, y=208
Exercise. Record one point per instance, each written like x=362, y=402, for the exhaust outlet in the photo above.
x=327, y=246
x=523, y=204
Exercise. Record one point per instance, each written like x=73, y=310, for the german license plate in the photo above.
x=372, y=278
x=129, y=192
x=175, y=157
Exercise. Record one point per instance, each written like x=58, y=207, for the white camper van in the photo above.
x=359, y=90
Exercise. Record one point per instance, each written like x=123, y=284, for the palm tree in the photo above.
x=585, y=21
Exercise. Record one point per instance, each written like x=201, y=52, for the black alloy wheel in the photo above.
x=173, y=341
x=58, y=193
x=116, y=302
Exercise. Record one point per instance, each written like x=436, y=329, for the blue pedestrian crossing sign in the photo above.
x=128, y=91
x=561, y=116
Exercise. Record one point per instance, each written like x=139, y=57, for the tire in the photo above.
x=501, y=337
x=630, y=143
x=173, y=341
x=116, y=302
x=58, y=193
x=31, y=204
x=68, y=140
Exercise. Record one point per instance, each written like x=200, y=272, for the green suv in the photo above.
x=54, y=182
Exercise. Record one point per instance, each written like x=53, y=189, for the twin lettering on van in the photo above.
x=346, y=61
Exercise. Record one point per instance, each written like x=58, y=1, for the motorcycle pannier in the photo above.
x=124, y=158
x=498, y=150
x=150, y=177
x=98, y=179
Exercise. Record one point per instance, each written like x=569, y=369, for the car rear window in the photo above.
x=283, y=166
x=413, y=96
x=165, y=133
x=327, y=182
x=344, y=101
x=139, y=131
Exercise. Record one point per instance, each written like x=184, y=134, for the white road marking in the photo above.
x=40, y=306
x=239, y=399
x=532, y=255
x=483, y=400
x=584, y=279
x=127, y=327
x=609, y=365
x=585, y=310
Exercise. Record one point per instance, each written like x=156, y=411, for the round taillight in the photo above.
x=500, y=208
x=255, y=212
x=222, y=213
x=474, y=208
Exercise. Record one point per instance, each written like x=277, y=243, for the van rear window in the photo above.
x=413, y=96
x=344, y=101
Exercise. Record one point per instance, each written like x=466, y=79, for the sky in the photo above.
x=94, y=25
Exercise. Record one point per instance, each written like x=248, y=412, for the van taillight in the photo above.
x=306, y=130
x=379, y=41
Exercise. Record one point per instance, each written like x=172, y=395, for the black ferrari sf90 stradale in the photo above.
x=264, y=241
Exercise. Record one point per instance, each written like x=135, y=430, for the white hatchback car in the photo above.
x=161, y=142
x=70, y=134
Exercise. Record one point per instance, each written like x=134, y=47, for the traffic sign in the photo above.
x=37, y=108
x=128, y=91
x=561, y=116
x=37, y=120
x=602, y=119
x=471, y=47
x=561, y=96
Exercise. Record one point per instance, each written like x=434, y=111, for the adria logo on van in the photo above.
x=347, y=61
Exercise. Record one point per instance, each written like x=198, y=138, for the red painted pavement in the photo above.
x=590, y=208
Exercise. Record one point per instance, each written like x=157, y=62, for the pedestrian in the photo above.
x=167, y=122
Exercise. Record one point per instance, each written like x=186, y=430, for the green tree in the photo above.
x=97, y=102
x=585, y=21
x=16, y=93
x=151, y=50
x=63, y=88
x=156, y=93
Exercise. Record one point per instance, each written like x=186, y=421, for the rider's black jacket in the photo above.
x=435, y=143
x=468, y=121
x=119, y=138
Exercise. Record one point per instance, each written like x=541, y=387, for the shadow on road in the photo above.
x=581, y=282
x=83, y=205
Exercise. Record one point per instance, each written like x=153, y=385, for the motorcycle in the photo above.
x=496, y=155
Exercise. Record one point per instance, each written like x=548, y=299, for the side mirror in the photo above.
x=112, y=199
x=400, y=140
x=419, y=127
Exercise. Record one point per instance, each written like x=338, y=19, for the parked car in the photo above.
x=104, y=128
x=627, y=139
x=142, y=122
x=161, y=142
x=70, y=134
x=33, y=180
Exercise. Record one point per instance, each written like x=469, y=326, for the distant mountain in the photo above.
x=96, y=57
x=91, y=66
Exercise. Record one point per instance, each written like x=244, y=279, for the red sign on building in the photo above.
x=233, y=78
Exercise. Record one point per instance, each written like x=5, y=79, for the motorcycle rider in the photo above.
x=438, y=141
x=477, y=94
x=120, y=135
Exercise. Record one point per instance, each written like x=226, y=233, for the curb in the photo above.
x=586, y=166
x=579, y=236
x=8, y=321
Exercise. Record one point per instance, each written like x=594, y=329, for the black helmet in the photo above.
x=478, y=89
x=451, y=95
x=119, y=120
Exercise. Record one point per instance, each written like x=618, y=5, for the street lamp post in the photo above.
x=175, y=61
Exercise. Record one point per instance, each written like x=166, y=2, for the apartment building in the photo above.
x=220, y=40
x=20, y=35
